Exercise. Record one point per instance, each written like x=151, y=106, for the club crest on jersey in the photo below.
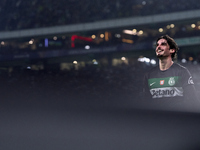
x=162, y=82
x=171, y=81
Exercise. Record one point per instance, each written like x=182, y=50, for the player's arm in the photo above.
x=146, y=95
x=190, y=92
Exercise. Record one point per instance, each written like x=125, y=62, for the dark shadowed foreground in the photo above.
x=99, y=129
x=89, y=110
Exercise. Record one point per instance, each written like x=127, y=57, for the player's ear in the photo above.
x=172, y=50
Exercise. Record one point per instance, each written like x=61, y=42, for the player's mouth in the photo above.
x=159, y=51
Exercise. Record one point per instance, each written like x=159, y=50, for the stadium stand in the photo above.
x=18, y=14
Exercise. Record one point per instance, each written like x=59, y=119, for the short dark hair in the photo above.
x=171, y=43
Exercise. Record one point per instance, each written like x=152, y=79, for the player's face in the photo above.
x=162, y=48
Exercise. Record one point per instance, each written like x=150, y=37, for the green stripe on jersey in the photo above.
x=163, y=82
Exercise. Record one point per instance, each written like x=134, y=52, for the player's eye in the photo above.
x=156, y=45
x=163, y=43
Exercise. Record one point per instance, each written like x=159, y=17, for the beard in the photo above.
x=159, y=56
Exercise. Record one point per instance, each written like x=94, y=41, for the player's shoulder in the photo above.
x=179, y=66
x=176, y=67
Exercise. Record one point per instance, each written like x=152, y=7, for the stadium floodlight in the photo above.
x=101, y=35
x=191, y=58
x=184, y=60
x=118, y=35
x=95, y=62
x=144, y=2
x=75, y=62
x=160, y=30
x=93, y=36
x=153, y=62
x=135, y=31
x=87, y=47
x=130, y=32
x=172, y=25
x=55, y=38
x=195, y=62
x=140, y=32
x=168, y=27
x=123, y=58
x=141, y=59
x=193, y=25
x=2, y=43
x=31, y=41
x=144, y=59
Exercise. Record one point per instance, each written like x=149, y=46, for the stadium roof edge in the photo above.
x=115, y=23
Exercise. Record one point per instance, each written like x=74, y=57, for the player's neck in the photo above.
x=165, y=64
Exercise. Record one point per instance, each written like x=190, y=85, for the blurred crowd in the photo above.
x=85, y=88
x=19, y=14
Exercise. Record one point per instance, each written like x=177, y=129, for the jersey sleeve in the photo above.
x=189, y=89
x=146, y=95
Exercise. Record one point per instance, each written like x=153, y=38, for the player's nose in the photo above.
x=157, y=47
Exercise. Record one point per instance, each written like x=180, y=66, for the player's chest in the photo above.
x=170, y=81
